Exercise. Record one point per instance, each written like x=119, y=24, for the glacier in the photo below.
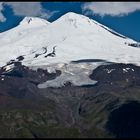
x=75, y=37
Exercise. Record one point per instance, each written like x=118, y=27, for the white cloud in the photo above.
x=26, y=9
x=110, y=8
x=2, y=18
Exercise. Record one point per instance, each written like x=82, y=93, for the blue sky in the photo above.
x=123, y=17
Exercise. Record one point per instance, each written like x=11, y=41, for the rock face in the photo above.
x=124, y=121
x=117, y=72
x=96, y=111
x=18, y=79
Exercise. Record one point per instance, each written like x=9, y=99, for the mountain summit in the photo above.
x=34, y=21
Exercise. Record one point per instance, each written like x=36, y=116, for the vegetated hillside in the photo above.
x=70, y=111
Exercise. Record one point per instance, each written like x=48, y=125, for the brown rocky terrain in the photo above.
x=109, y=108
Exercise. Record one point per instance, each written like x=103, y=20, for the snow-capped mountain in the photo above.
x=70, y=38
x=74, y=36
x=70, y=78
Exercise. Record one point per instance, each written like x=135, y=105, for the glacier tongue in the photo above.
x=76, y=74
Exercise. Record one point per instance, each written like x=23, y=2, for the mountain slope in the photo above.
x=72, y=37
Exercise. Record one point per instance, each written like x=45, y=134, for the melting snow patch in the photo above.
x=2, y=79
x=109, y=71
x=127, y=68
x=124, y=70
x=9, y=67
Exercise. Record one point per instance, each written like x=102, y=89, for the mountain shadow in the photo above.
x=124, y=122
